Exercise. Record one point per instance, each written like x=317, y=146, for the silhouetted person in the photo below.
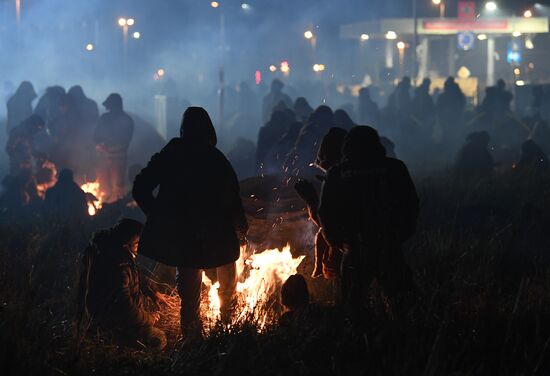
x=110, y=289
x=86, y=108
x=268, y=137
x=450, y=106
x=368, y=109
x=302, y=109
x=19, y=105
x=308, y=142
x=65, y=200
x=343, y=120
x=474, y=161
x=368, y=209
x=13, y=196
x=533, y=160
x=112, y=138
x=273, y=98
x=48, y=104
x=197, y=220
x=329, y=154
x=20, y=146
x=423, y=107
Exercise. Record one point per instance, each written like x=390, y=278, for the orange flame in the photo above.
x=262, y=275
x=94, y=188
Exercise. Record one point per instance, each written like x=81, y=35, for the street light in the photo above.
x=482, y=37
x=491, y=6
x=364, y=37
x=516, y=34
x=318, y=67
x=214, y=4
x=161, y=72
x=401, y=45
x=122, y=22
x=391, y=35
x=130, y=21
x=272, y=68
x=441, y=5
x=528, y=13
x=136, y=35
x=89, y=47
x=308, y=34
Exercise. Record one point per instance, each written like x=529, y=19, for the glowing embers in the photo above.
x=95, y=203
x=260, y=276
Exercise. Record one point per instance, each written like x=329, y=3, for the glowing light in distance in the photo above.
x=122, y=22
x=214, y=4
x=89, y=47
x=318, y=67
x=308, y=34
x=516, y=34
x=401, y=45
x=529, y=43
x=272, y=68
x=391, y=35
x=245, y=6
x=136, y=35
x=285, y=67
x=491, y=6
x=531, y=66
x=130, y=21
x=520, y=83
x=528, y=13
x=482, y=36
x=258, y=77
x=364, y=37
x=436, y=2
x=161, y=72
x=517, y=71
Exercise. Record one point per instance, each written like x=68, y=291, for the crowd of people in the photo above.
x=63, y=138
x=189, y=192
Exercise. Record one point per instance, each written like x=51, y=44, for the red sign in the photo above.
x=465, y=25
x=466, y=10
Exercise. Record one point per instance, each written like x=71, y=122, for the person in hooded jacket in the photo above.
x=368, y=208
x=329, y=154
x=197, y=220
x=19, y=105
x=111, y=291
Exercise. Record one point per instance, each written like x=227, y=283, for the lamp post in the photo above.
x=18, y=11
x=415, y=42
x=441, y=5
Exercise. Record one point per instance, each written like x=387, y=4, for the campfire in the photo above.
x=96, y=203
x=260, y=277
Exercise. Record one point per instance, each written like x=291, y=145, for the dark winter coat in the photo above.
x=113, y=295
x=114, y=132
x=374, y=199
x=197, y=217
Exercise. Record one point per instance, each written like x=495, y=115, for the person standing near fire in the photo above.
x=368, y=208
x=112, y=138
x=197, y=220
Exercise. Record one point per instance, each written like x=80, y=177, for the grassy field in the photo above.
x=481, y=260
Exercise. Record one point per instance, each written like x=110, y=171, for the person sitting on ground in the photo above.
x=110, y=290
x=330, y=153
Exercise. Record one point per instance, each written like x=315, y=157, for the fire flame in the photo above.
x=94, y=188
x=260, y=278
